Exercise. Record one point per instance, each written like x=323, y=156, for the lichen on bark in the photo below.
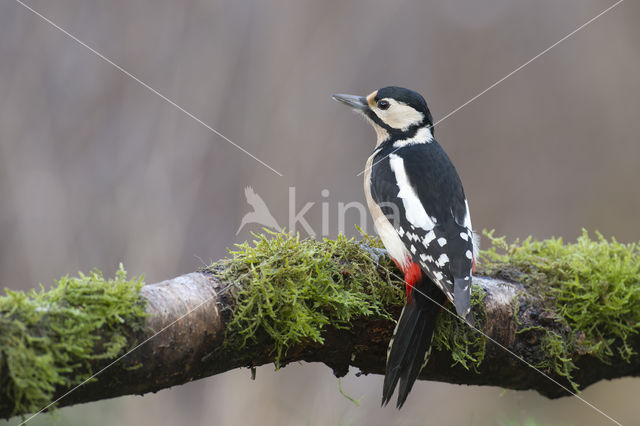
x=589, y=291
x=569, y=309
x=49, y=339
x=289, y=289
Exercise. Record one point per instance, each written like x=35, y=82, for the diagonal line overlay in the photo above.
x=509, y=351
x=162, y=330
x=509, y=75
x=130, y=75
x=145, y=85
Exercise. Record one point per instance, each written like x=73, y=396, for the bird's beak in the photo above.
x=359, y=103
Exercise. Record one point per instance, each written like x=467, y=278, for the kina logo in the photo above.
x=260, y=214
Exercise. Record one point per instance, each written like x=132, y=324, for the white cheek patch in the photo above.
x=416, y=215
x=399, y=115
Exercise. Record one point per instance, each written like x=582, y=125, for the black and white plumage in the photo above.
x=421, y=213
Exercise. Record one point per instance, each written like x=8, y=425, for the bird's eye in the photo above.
x=383, y=104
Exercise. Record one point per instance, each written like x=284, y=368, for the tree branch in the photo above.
x=185, y=335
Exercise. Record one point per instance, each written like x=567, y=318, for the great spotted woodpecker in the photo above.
x=420, y=211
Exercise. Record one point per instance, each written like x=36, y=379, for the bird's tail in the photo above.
x=410, y=345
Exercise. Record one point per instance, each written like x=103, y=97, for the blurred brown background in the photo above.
x=96, y=170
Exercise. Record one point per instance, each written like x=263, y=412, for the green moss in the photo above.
x=290, y=289
x=466, y=345
x=49, y=339
x=591, y=286
x=559, y=360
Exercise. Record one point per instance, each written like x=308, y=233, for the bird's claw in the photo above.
x=374, y=252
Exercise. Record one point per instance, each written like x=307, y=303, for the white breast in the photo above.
x=385, y=230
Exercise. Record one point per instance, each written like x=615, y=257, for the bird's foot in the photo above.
x=375, y=253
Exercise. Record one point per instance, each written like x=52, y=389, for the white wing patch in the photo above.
x=428, y=238
x=442, y=260
x=467, y=216
x=473, y=235
x=416, y=215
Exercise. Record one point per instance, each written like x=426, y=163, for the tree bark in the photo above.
x=189, y=314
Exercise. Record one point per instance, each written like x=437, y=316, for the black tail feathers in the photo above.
x=410, y=346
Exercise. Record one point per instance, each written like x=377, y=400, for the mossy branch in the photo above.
x=569, y=309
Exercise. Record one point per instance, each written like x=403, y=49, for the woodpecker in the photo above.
x=421, y=214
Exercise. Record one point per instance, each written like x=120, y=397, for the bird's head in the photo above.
x=394, y=112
